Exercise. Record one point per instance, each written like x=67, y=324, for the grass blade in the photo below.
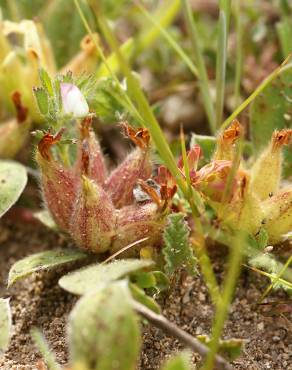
x=199, y=61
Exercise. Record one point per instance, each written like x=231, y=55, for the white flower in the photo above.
x=73, y=101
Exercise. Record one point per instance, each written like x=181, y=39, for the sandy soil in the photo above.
x=38, y=301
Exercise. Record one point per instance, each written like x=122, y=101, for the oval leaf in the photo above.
x=13, y=178
x=103, y=330
x=5, y=324
x=42, y=261
x=91, y=278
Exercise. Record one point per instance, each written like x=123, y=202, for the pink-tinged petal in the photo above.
x=89, y=151
x=73, y=101
x=211, y=180
x=93, y=223
x=193, y=157
x=122, y=180
x=136, y=222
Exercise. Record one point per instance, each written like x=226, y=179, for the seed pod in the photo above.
x=137, y=165
x=278, y=215
x=136, y=222
x=93, y=222
x=59, y=184
x=89, y=145
x=266, y=172
x=225, y=143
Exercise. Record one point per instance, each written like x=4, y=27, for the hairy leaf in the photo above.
x=93, y=277
x=103, y=330
x=5, y=325
x=177, y=250
x=42, y=261
x=13, y=178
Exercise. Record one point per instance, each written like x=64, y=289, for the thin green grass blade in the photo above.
x=239, y=51
x=163, y=17
x=221, y=67
x=167, y=36
x=199, y=61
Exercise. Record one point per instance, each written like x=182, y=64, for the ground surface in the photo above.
x=38, y=301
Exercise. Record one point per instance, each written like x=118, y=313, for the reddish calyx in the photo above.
x=140, y=136
x=45, y=144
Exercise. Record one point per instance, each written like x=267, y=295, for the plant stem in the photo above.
x=222, y=308
x=221, y=67
x=199, y=61
x=239, y=52
x=168, y=327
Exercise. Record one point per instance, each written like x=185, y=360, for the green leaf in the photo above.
x=42, y=100
x=42, y=261
x=229, y=348
x=262, y=238
x=44, y=349
x=272, y=110
x=103, y=330
x=140, y=296
x=46, y=82
x=177, y=250
x=5, y=325
x=144, y=279
x=13, y=178
x=179, y=362
x=45, y=218
x=96, y=276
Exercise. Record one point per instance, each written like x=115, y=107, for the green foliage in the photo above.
x=272, y=110
x=5, y=325
x=179, y=362
x=13, y=178
x=43, y=347
x=103, y=330
x=96, y=276
x=177, y=250
x=140, y=296
x=229, y=348
x=42, y=261
x=152, y=279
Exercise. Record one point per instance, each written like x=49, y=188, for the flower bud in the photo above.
x=73, y=101
x=266, y=172
x=59, y=184
x=278, y=215
x=225, y=142
x=93, y=218
x=137, y=165
x=88, y=145
x=211, y=180
x=136, y=222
